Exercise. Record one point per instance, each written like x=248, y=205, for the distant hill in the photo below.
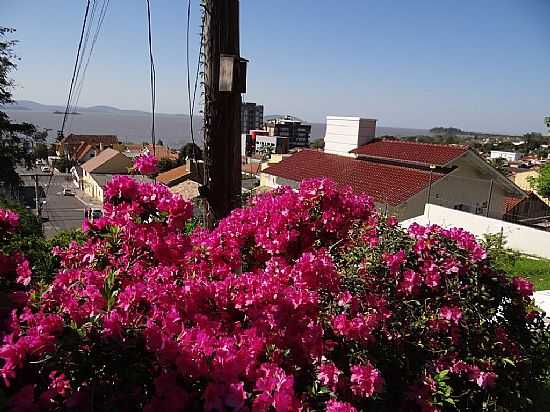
x=135, y=125
x=29, y=105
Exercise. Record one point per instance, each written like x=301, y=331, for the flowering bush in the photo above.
x=146, y=164
x=303, y=300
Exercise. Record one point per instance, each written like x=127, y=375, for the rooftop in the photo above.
x=103, y=179
x=173, y=174
x=89, y=138
x=412, y=152
x=100, y=159
x=385, y=183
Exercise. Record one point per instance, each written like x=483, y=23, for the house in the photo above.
x=133, y=150
x=401, y=176
x=69, y=144
x=101, y=168
x=85, y=152
x=174, y=176
x=526, y=210
x=509, y=156
x=272, y=144
x=522, y=179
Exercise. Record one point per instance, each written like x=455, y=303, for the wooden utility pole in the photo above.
x=222, y=105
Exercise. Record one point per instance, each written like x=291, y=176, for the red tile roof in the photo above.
x=90, y=139
x=385, y=183
x=82, y=151
x=173, y=174
x=412, y=152
x=511, y=202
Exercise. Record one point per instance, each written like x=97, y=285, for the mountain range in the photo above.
x=135, y=125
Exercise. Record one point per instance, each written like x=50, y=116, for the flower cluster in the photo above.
x=146, y=164
x=303, y=299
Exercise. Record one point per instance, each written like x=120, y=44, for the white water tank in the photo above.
x=344, y=134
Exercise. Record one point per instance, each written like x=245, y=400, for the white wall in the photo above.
x=347, y=133
x=521, y=238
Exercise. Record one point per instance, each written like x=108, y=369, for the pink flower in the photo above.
x=328, y=374
x=411, y=281
x=523, y=286
x=394, y=261
x=9, y=220
x=59, y=383
x=452, y=314
x=146, y=164
x=336, y=406
x=366, y=380
x=24, y=272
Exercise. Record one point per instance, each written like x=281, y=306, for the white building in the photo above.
x=510, y=156
x=344, y=134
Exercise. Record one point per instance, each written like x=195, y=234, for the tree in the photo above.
x=40, y=151
x=14, y=138
x=317, y=144
x=500, y=164
x=64, y=165
x=165, y=164
x=541, y=183
x=186, y=152
x=160, y=142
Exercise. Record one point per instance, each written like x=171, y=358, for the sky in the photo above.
x=477, y=65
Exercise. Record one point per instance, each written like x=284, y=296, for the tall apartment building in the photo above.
x=252, y=117
x=547, y=122
x=297, y=133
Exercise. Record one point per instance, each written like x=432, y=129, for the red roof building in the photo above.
x=411, y=152
x=385, y=183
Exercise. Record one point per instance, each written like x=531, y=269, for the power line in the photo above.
x=75, y=66
x=80, y=85
x=152, y=76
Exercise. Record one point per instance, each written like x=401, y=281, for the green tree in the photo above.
x=317, y=144
x=15, y=138
x=541, y=183
x=186, y=152
x=500, y=164
x=30, y=240
x=64, y=165
x=40, y=151
x=165, y=164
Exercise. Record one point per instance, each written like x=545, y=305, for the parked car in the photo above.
x=46, y=169
x=68, y=192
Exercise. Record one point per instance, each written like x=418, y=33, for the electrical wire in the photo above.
x=192, y=101
x=75, y=66
x=191, y=108
x=82, y=78
x=152, y=76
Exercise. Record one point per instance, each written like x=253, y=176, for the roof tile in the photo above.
x=412, y=152
x=385, y=183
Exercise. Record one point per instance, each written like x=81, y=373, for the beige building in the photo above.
x=522, y=180
x=100, y=169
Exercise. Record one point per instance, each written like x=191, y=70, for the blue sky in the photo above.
x=477, y=65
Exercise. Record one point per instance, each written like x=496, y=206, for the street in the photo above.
x=60, y=212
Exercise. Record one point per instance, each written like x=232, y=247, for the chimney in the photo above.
x=344, y=134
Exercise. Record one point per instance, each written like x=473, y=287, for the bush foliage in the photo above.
x=303, y=300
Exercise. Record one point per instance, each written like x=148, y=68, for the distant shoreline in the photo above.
x=60, y=112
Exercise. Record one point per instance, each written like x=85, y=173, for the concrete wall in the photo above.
x=91, y=187
x=347, y=133
x=521, y=238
